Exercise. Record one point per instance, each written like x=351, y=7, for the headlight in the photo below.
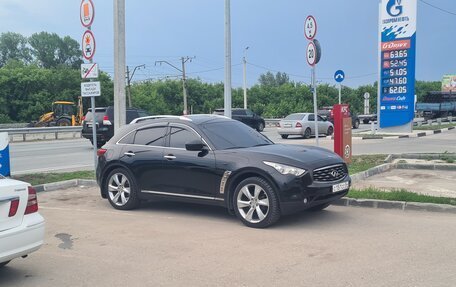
x=286, y=169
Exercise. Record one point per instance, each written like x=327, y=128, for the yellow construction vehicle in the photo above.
x=63, y=114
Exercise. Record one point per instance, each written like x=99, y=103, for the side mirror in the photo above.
x=195, y=145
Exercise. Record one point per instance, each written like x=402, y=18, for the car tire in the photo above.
x=256, y=203
x=284, y=136
x=356, y=124
x=121, y=189
x=319, y=207
x=330, y=131
x=365, y=122
x=307, y=133
x=260, y=126
x=4, y=263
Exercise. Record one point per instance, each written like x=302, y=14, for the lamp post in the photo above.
x=245, y=77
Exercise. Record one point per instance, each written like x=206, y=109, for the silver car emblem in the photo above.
x=334, y=173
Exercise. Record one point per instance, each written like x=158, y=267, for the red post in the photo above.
x=342, y=131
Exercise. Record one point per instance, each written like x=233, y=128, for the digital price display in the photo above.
x=397, y=62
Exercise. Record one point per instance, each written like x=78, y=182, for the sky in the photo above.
x=273, y=30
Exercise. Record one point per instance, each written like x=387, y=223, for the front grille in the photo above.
x=330, y=173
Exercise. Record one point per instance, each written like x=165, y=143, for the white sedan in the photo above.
x=21, y=226
x=303, y=124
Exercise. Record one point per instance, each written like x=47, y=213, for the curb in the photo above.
x=416, y=135
x=398, y=205
x=65, y=184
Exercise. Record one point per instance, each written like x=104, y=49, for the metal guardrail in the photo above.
x=41, y=130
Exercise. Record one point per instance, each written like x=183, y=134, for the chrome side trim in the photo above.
x=329, y=166
x=223, y=181
x=182, y=195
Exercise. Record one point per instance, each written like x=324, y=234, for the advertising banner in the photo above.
x=449, y=83
x=4, y=155
x=342, y=131
x=397, y=62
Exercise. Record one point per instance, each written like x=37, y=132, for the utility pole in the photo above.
x=227, y=106
x=245, y=77
x=129, y=81
x=182, y=70
x=119, y=64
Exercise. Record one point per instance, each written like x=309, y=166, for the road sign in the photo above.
x=90, y=89
x=87, y=13
x=89, y=71
x=313, y=53
x=339, y=76
x=310, y=27
x=88, y=45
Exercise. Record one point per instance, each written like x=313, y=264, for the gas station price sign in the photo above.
x=397, y=62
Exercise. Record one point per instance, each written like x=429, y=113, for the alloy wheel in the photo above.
x=253, y=203
x=119, y=189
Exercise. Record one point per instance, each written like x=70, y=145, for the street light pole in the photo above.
x=119, y=64
x=245, y=77
x=227, y=102
x=129, y=81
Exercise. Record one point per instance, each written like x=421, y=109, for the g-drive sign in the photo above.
x=90, y=89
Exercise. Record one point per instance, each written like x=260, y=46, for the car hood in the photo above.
x=297, y=155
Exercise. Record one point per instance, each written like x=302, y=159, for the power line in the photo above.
x=438, y=8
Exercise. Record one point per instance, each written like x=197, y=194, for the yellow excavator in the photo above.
x=63, y=114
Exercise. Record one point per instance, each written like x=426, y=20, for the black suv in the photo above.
x=105, y=123
x=246, y=116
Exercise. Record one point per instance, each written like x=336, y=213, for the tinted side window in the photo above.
x=320, y=119
x=311, y=118
x=180, y=136
x=238, y=112
x=154, y=136
x=249, y=113
x=128, y=139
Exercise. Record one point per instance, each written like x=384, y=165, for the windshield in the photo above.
x=221, y=134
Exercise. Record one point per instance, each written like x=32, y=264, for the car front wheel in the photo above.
x=356, y=124
x=256, y=203
x=122, y=190
x=260, y=127
x=329, y=131
x=307, y=133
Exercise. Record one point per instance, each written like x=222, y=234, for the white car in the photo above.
x=303, y=124
x=21, y=226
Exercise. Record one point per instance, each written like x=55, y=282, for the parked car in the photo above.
x=303, y=124
x=215, y=160
x=327, y=113
x=105, y=123
x=246, y=116
x=21, y=226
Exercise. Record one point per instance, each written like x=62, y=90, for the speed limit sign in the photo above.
x=313, y=53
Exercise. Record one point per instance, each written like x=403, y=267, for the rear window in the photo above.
x=295, y=117
x=99, y=113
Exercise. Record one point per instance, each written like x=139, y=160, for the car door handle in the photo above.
x=129, y=153
x=170, y=157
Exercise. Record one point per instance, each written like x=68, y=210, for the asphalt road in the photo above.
x=88, y=243
x=67, y=155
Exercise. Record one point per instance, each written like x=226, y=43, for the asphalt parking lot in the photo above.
x=171, y=244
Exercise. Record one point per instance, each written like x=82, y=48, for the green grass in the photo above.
x=42, y=178
x=398, y=195
x=364, y=162
x=434, y=127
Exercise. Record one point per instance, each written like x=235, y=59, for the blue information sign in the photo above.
x=339, y=76
x=397, y=62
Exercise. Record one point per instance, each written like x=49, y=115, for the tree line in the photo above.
x=43, y=68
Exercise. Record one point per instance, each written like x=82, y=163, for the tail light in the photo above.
x=13, y=208
x=101, y=152
x=32, y=202
x=106, y=121
x=83, y=118
x=298, y=125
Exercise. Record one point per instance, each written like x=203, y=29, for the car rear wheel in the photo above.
x=256, y=203
x=307, y=133
x=122, y=190
x=356, y=124
x=284, y=136
x=260, y=127
x=329, y=131
x=365, y=121
x=4, y=263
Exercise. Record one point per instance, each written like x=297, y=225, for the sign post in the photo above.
x=397, y=37
x=339, y=76
x=313, y=55
x=89, y=71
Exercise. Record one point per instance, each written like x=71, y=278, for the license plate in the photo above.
x=340, y=186
x=287, y=125
x=89, y=125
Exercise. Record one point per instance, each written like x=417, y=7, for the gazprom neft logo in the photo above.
x=394, y=8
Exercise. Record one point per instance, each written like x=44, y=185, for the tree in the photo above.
x=51, y=51
x=13, y=46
